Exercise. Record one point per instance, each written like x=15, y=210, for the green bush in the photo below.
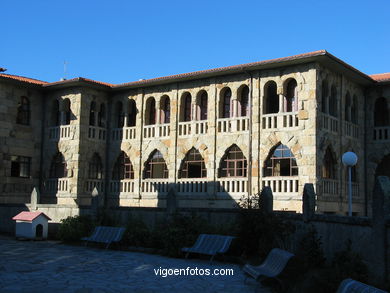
x=74, y=228
x=137, y=233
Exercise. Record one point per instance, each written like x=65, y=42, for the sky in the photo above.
x=120, y=41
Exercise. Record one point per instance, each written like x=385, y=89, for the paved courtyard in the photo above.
x=48, y=266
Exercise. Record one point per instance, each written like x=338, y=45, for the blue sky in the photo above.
x=121, y=41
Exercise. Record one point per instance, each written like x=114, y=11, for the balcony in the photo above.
x=330, y=123
x=90, y=184
x=62, y=132
x=154, y=187
x=280, y=120
x=158, y=130
x=351, y=129
x=189, y=186
x=236, y=187
x=193, y=128
x=330, y=187
x=56, y=185
x=283, y=187
x=230, y=125
x=125, y=186
x=123, y=134
x=382, y=133
x=97, y=133
x=355, y=189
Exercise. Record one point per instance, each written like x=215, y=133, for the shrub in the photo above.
x=137, y=233
x=74, y=228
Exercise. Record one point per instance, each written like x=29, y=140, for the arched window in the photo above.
x=347, y=108
x=92, y=113
x=155, y=166
x=55, y=113
x=165, y=112
x=244, y=101
x=233, y=163
x=123, y=169
x=119, y=115
x=95, y=168
x=271, y=99
x=67, y=111
x=23, y=113
x=354, y=110
x=325, y=96
x=58, y=167
x=102, y=116
x=333, y=101
x=291, y=96
x=150, y=111
x=186, y=107
x=193, y=165
x=381, y=112
x=131, y=113
x=201, y=106
x=280, y=163
x=226, y=103
x=329, y=165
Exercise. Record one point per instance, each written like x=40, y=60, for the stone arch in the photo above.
x=66, y=109
x=243, y=101
x=201, y=105
x=95, y=167
x=185, y=107
x=131, y=113
x=233, y=163
x=290, y=93
x=192, y=165
x=122, y=168
x=150, y=111
x=165, y=109
x=329, y=163
x=270, y=98
x=225, y=109
x=280, y=162
x=58, y=166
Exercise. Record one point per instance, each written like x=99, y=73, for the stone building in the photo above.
x=217, y=136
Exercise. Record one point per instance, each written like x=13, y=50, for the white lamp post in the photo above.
x=349, y=159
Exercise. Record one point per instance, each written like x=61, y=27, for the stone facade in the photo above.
x=313, y=106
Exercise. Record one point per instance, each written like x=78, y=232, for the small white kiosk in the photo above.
x=31, y=225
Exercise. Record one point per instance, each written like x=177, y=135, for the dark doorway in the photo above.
x=39, y=231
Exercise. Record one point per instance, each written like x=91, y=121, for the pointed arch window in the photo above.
x=291, y=96
x=244, y=101
x=95, y=167
x=155, y=166
x=329, y=165
x=58, y=168
x=131, y=113
x=165, y=113
x=193, y=165
x=23, y=112
x=92, y=114
x=281, y=162
x=233, y=163
x=271, y=99
x=123, y=169
x=381, y=112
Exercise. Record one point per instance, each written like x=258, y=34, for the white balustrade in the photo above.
x=330, y=187
x=330, y=123
x=191, y=186
x=233, y=185
x=155, y=186
x=124, y=186
x=61, y=132
x=185, y=128
x=158, y=130
x=381, y=133
x=351, y=130
x=282, y=186
x=235, y=124
x=193, y=128
x=56, y=185
x=125, y=133
x=279, y=120
x=90, y=184
x=97, y=133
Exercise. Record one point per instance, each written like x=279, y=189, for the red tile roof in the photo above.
x=381, y=76
x=28, y=216
x=77, y=79
x=22, y=79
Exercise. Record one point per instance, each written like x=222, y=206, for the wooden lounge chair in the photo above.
x=352, y=286
x=272, y=267
x=105, y=234
x=210, y=244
